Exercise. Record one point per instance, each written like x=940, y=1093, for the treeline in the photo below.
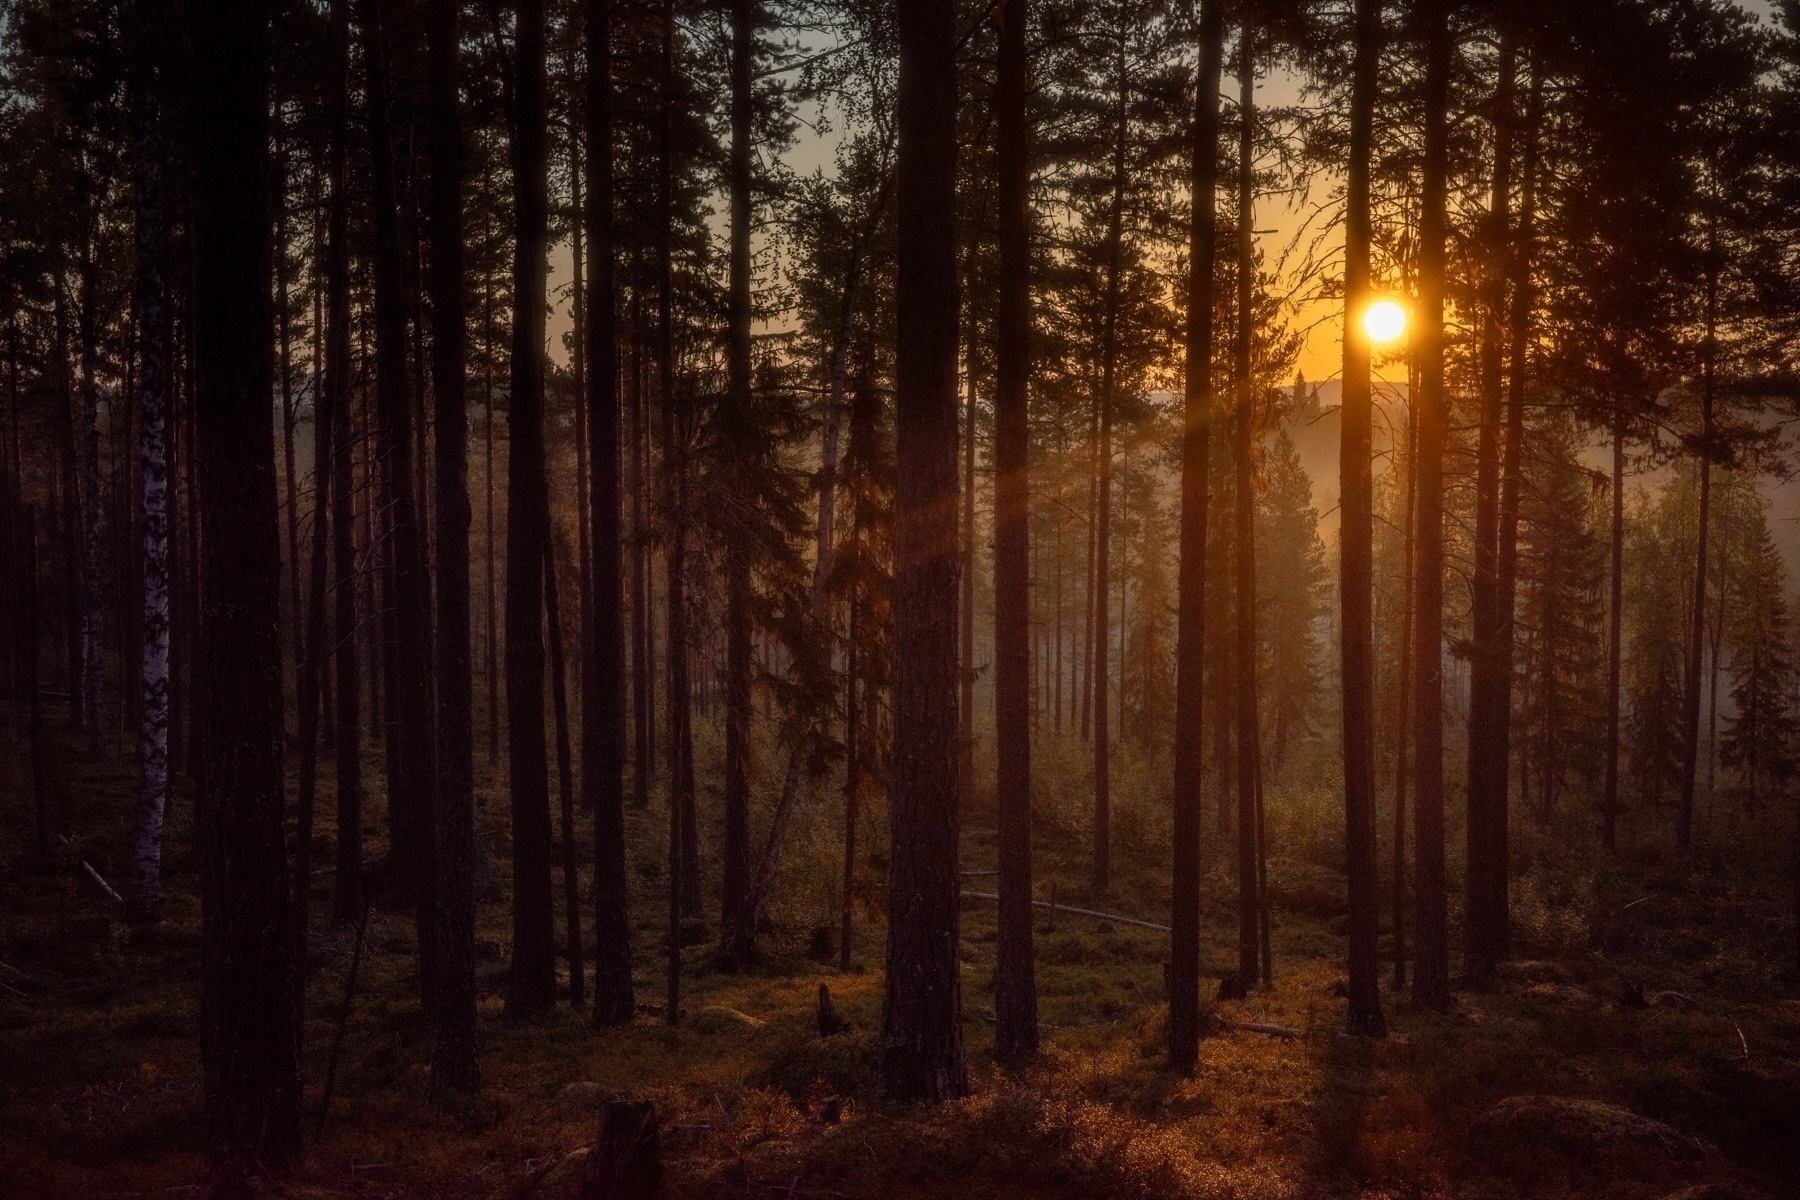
x=999, y=408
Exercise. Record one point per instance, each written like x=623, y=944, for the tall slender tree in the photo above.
x=250, y=1024
x=1484, y=893
x=1431, y=975
x=453, y=1062
x=1243, y=512
x=921, y=1040
x=603, y=644
x=532, y=984
x=412, y=787
x=1196, y=458
x=1015, y=985
x=1355, y=542
x=153, y=463
x=347, y=898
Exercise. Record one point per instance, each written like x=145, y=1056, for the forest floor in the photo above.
x=1640, y=1048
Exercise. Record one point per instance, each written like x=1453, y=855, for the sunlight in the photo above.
x=1384, y=321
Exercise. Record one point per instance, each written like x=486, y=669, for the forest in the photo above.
x=1148, y=599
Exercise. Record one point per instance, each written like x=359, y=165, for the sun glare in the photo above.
x=1384, y=321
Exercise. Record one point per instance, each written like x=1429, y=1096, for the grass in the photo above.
x=100, y=1081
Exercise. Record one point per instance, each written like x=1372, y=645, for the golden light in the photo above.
x=1384, y=321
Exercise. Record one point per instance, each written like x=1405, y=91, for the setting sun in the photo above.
x=1384, y=321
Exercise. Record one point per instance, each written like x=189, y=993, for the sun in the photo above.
x=1384, y=321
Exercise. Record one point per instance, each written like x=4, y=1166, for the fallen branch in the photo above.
x=1280, y=1031
x=1080, y=912
x=1633, y=904
x=93, y=874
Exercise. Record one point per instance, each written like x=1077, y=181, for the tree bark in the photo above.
x=346, y=905
x=153, y=740
x=1505, y=600
x=603, y=667
x=1244, y=515
x=1431, y=977
x=921, y=1039
x=737, y=934
x=1690, y=716
x=93, y=634
x=565, y=782
x=1100, y=875
x=250, y=1024
x=453, y=1063
x=1609, y=803
x=1484, y=892
x=1355, y=548
x=532, y=986
x=412, y=785
x=1015, y=984
x=1196, y=459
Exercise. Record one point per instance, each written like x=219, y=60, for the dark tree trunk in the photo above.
x=1196, y=458
x=152, y=402
x=1506, y=594
x=565, y=783
x=852, y=779
x=1100, y=875
x=346, y=905
x=603, y=667
x=532, y=986
x=1690, y=715
x=412, y=784
x=680, y=701
x=1403, y=708
x=1609, y=803
x=250, y=1024
x=922, y=1050
x=1355, y=549
x=453, y=1064
x=1244, y=515
x=1484, y=891
x=737, y=934
x=1431, y=978
x=1015, y=984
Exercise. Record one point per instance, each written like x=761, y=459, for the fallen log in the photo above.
x=1280, y=1031
x=1079, y=912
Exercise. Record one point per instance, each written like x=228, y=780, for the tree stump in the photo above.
x=829, y=1021
x=625, y=1161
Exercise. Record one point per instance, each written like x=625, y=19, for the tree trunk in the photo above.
x=921, y=1042
x=1431, y=977
x=1609, y=804
x=852, y=780
x=346, y=905
x=565, y=782
x=453, y=1064
x=1403, y=709
x=680, y=695
x=1196, y=459
x=153, y=741
x=1101, y=873
x=737, y=933
x=93, y=634
x=412, y=785
x=1690, y=717
x=603, y=647
x=250, y=1024
x=532, y=986
x=1015, y=985
x=1356, y=564
x=1484, y=892
x=1244, y=513
x=1519, y=335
